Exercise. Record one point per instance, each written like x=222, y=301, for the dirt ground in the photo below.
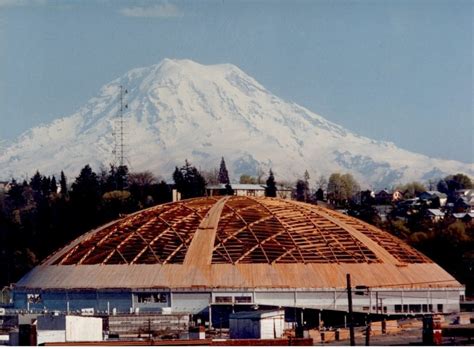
x=409, y=337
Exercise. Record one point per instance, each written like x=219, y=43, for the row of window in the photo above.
x=417, y=308
x=237, y=299
x=407, y=308
x=152, y=297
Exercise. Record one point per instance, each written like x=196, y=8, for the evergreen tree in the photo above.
x=15, y=198
x=85, y=198
x=301, y=193
x=46, y=186
x=63, y=185
x=228, y=189
x=54, y=185
x=320, y=194
x=36, y=181
x=223, y=174
x=162, y=193
x=189, y=182
x=271, y=189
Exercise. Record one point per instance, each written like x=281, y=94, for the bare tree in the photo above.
x=142, y=179
x=211, y=176
x=322, y=182
x=260, y=174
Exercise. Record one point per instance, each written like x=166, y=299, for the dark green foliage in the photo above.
x=15, y=198
x=270, y=189
x=319, y=194
x=451, y=183
x=85, y=198
x=223, y=174
x=63, y=185
x=116, y=202
x=302, y=190
x=36, y=222
x=53, y=186
x=228, y=189
x=189, y=182
x=366, y=213
x=35, y=182
x=117, y=178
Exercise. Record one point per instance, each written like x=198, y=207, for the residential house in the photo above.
x=435, y=214
x=434, y=198
x=383, y=197
x=247, y=190
x=466, y=217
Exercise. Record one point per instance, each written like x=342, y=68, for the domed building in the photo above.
x=195, y=254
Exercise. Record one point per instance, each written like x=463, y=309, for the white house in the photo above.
x=247, y=190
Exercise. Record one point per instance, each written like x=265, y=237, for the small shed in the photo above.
x=264, y=324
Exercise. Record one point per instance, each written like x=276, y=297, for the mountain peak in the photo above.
x=180, y=109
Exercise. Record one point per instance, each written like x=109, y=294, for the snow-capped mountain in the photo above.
x=179, y=109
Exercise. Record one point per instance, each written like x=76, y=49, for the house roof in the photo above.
x=237, y=186
x=436, y=212
x=463, y=214
x=434, y=193
x=257, y=315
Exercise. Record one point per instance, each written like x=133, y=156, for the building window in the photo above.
x=243, y=299
x=223, y=299
x=398, y=308
x=34, y=298
x=405, y=308
x=440, y=308
x=365, y=308
x=425, y=308
x=430, y=307
x=152, y=297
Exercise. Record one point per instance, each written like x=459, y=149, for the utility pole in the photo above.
x=376, y=302
x=351, y=315
x=367, y=332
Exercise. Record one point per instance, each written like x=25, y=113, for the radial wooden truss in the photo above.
x=237, y=230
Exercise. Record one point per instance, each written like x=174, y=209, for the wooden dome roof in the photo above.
x=236, y=242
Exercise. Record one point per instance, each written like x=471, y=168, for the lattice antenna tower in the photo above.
x=119, y=131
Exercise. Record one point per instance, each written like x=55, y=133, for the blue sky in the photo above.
x=399, y=71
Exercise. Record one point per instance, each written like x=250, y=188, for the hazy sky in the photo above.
x=399, y=71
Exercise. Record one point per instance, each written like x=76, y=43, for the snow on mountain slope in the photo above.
x=179, y=109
